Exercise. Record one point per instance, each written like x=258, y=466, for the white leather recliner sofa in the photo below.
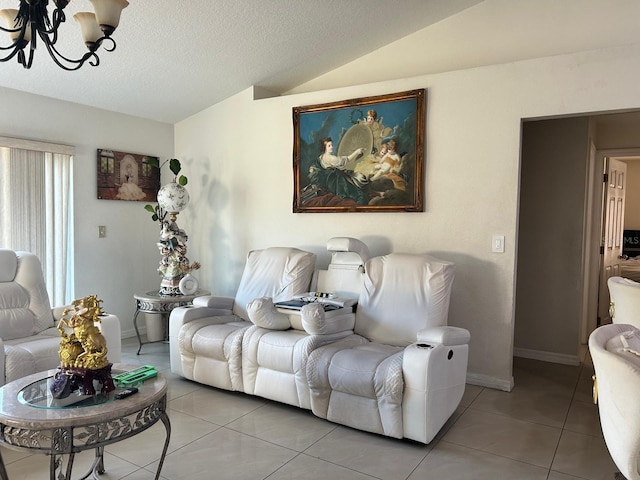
x=403, y=373
x=393, y=367
x=205, y=339
x=276, y=348
x=615, y=351
x=29, y=336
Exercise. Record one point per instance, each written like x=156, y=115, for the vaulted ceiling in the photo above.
x=176, y=58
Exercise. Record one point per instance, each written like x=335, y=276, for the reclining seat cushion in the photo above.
x=211, y=350
x=275, y=351
x=362, y=386
x=211, y=347
x=365, y=385
x=273, y=363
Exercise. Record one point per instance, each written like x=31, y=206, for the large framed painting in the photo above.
x=127, y=176
x=360, y=155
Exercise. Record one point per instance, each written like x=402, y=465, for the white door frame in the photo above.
x=593, y=234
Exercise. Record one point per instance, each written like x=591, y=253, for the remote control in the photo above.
x=126, y=393
x=132, y=377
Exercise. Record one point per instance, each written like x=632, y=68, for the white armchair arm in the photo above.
x=447, y=336
x=203, y=307
x=58, y=312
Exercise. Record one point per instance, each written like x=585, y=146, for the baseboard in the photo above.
x=489, y=382
x=132, y=332
x=552, y=357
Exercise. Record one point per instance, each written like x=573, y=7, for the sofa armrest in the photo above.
x=225, y=303
x=263, y=313
x=446, y=335
x=109, y=326
x=316, y=321
x=58, y=312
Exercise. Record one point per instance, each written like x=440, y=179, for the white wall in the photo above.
x=553, y=188
x=126, y=260
x=239, y=158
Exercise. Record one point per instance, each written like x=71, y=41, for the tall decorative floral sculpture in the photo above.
x=174, y=267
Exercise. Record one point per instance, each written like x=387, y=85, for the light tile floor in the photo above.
x=547, y=428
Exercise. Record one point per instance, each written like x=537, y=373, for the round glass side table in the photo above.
x=154, y=303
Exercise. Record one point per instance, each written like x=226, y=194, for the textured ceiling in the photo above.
x=176, y=58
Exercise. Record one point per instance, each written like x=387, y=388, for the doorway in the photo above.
x=559, y=229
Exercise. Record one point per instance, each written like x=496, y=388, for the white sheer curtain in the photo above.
x=36, y=208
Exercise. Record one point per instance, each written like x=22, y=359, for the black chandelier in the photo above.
x=31, y=20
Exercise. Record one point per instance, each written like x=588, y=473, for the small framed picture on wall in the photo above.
x=126, y=176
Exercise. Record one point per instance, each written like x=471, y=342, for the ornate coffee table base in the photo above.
x=97, y=467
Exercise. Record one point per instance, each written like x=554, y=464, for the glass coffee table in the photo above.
x=32, y=420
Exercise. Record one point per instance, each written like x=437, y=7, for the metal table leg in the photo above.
x=167, y=425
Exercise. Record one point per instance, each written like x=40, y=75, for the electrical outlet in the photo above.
x=102, y=231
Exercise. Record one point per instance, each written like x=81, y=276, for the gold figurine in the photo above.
x=83, y=351
x=84, y=346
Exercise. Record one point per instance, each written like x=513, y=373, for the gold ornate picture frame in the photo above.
x=360, y=155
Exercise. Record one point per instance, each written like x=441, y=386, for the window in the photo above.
x=36, y=208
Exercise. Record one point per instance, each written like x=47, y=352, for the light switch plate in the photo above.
x=497, y=244
x=102, y=231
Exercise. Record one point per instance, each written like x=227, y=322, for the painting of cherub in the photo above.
x=360, y=155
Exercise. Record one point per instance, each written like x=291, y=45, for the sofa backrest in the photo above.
x=24, y=302
x=402, y=294
x=276, y=272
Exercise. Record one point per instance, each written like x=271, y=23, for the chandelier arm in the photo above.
x=25, y=61
x=58, y=18
x=10, y=55
x=13, y=46
x=71, y=64
x=39, y=15
x=101, y=41
x=10, y=30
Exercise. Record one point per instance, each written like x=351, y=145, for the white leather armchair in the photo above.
x=403, y=372
x=276, y=348
x=615, y=351
x=206, y=338
x=28, y=334
x=625, y=301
